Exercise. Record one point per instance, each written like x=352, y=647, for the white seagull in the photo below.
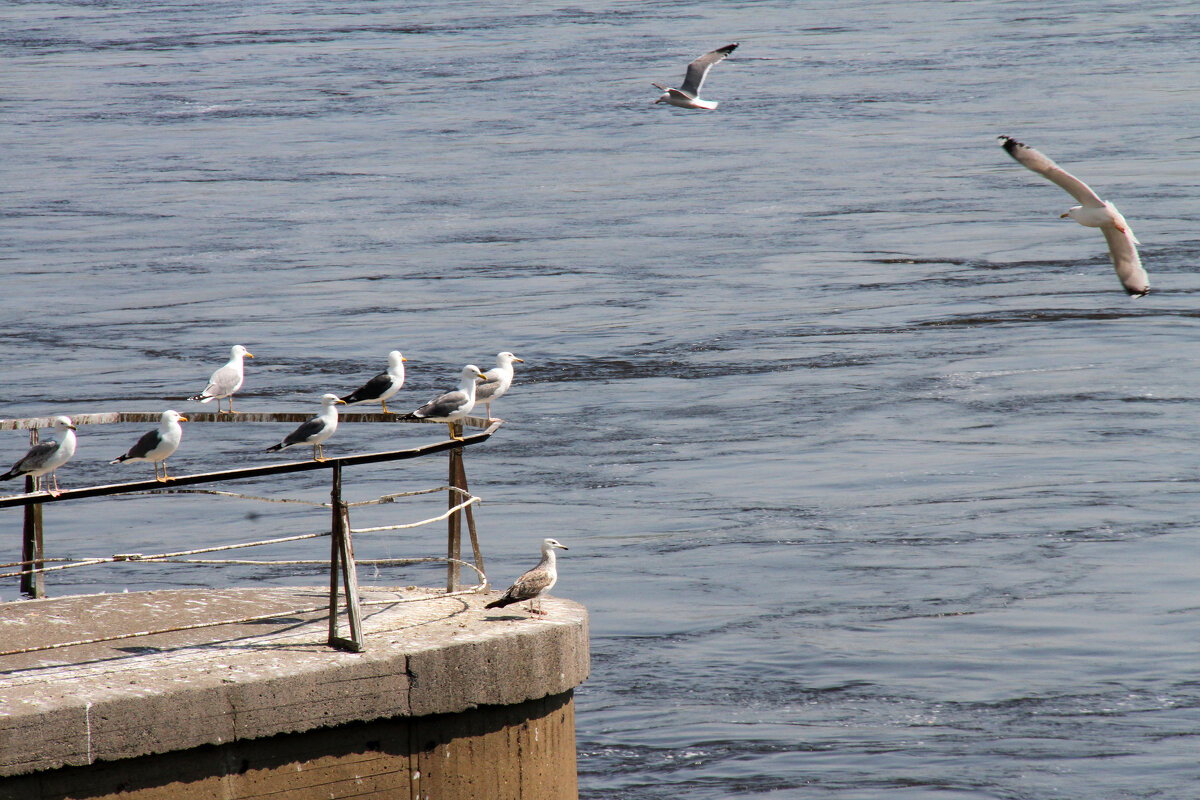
x=157, y=446
x=534, y=583
x=688, y=95
x=452, y=406
x=47, y=456
x=316, y=430
x=496, y=380
x=226, y=380
x=382, y=386
x=1092, y=212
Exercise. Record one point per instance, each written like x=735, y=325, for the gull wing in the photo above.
x=1042, y=164
x=371, y=390
x=36, y=456
x=1125, y=260
x=144, y=446
x=305, y=432
x=697, y=71
x=441, y=406
x=530, y=585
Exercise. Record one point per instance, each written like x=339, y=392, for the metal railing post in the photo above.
x=454, y=523
x=33, y=580
x=342, y=550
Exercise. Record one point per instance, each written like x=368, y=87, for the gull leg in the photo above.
x=230, y=404
x=488, y=406
x=56, y=492
x=452, y=436
x=384, y=404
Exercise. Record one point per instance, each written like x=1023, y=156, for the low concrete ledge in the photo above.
x=426, y=654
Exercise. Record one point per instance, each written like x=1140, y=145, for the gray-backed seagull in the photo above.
x=47, y=456
x=226, y=380
x=1092, y=212
x=157, y=446
x=382, y=386
x=496, y=381
x=688, y=95
x=452, y=406
x=316, y=430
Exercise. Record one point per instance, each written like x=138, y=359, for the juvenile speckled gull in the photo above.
x=534, y=583
x=316, y=430
x=452, y=406
x=226, y=380
x=47, y=456
x=382, y=386
x=688, y=95
x=157, y=446
x=1092, y=212
x=496, y=381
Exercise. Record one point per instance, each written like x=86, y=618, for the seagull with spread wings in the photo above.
x=688, y=95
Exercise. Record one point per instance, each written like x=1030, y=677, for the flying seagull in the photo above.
x=316, y=430
x=688, y=95
x=1093, y=212
x=451, y=406
x=47, y=456
x=496, y=381
x=382, y=386
x=226, y=380
x=157, y=446
x=534, y=583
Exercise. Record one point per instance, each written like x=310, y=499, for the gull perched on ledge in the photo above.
x=382, y=386
x=226, y=380
x=534, y=583
x=45, y=457
x=157, y=446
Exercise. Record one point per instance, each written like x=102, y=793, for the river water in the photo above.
x=875, y=483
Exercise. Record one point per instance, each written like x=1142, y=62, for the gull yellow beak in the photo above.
x=519, y=359
x=183, y=419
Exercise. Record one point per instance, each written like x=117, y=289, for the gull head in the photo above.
x=551, y=544
x=171, y=415
x=63, y=424
x=330, y=400
x=470, y=371
x=237, y=351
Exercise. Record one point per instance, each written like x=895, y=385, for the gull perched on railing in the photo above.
x=382, y=386
x=452, y=406
x=47, y=456
x=157, y=446
x=316, y=430
x=1093, y=212
x=534, y=583
x=496, y=381
x=688, y=95
x=226, y=380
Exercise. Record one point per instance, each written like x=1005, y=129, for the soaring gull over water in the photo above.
x=226, y=380
x=688, y=95
x=534, y=583
x=452, y=406
x=157, y=446
x=382, y=386
x=496, y=380
x=47, y=456
x=1092, y=212
x=316, y=430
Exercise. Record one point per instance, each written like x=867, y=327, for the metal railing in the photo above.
x=343, y=578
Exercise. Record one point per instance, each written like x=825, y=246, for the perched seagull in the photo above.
x=382, y=386
x=316, y=430
x=534, y=583
x=496, y=380
x=451, y=406
x=225, y=381
x=157, y=446
x=1093, y=212
x=45, y=457
x=688, y=95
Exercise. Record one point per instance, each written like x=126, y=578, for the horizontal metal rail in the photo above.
x=38, y=498
x=114, y=417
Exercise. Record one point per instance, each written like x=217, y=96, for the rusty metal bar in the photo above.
x=454, y=525
x=341, y=559
x=462, y=475
x=114, y=417
x=245, y=472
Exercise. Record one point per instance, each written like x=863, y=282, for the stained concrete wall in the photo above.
x=449, y=700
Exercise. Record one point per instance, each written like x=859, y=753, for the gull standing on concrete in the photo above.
x=316, y=430
x=1093, y=212
x=688, y=95
x=496, y=381
x=45, y=457
x=534, y=583
x=382, y=386
x=157, y=446
x=226, y=380
x=452, y=406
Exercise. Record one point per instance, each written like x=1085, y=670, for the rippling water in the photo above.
x=875, y=482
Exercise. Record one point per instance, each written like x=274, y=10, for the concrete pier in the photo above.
x=448, y=701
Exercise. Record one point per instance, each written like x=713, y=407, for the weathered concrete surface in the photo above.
x=426, y=655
